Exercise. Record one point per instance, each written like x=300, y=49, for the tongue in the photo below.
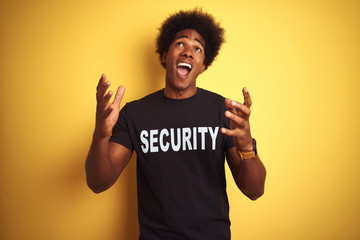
x=183, y=71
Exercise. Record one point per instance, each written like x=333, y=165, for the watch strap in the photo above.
x=245, y=155
x=248, y=155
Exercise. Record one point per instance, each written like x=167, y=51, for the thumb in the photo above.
x=119, y=95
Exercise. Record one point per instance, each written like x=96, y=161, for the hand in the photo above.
x=239, y=115
x=106, y=113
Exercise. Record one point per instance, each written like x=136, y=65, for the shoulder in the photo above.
x=152, y=98
x=210, y=93
x=211, y=96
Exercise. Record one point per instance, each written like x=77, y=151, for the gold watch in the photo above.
x=248, y=155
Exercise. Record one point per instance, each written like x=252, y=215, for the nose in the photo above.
x=187, y=52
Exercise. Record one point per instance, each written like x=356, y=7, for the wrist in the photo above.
x=250, y=151
x=98, y=136
x=246, y=147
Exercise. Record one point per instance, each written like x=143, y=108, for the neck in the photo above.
x=179, y=94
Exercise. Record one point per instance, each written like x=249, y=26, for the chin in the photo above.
x=182, y=85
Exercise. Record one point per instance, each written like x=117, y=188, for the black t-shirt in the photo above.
x=180, y=164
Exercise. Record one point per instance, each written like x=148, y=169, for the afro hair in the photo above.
x=196, y=19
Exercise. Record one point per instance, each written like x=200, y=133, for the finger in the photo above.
x=231, y=133
x=236, y=119
x=230, y=107
x=247, y=99
x=119, y=95
x=104, y=103
x=102, y=90
x=101, y=81
x=228, y=104
x=108, y=111
x=242, y=109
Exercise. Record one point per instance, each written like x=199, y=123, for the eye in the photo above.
x=198, y=49
x=180, y=44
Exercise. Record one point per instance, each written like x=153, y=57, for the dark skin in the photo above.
x=187, y=47
x=106, y=160
x=249, y=174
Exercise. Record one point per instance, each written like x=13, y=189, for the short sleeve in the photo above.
x=120, y=132
x=229, y=142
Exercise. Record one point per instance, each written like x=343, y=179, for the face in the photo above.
x=184, y=62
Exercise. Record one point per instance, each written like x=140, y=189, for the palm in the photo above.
x=239, y=121
x=107, y=113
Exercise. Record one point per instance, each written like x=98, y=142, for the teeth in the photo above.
x=184, y=65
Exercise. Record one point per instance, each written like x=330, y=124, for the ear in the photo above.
x=163, y=57
x=202, y=68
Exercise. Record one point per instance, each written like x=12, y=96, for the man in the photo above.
x=181, y=135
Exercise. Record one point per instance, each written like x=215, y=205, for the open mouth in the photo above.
x=183, y=69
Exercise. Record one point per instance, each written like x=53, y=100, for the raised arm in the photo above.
x=249, y=173
x=105, y=160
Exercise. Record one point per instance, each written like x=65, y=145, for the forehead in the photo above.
x=190, y=34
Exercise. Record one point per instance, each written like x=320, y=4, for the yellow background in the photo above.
x=299, y=60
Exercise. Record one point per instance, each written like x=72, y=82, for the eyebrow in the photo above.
x=184, y=36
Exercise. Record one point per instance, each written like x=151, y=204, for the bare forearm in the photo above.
x=249, y=173
x=105, y=160
x=100, y=170
x=250, y=177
